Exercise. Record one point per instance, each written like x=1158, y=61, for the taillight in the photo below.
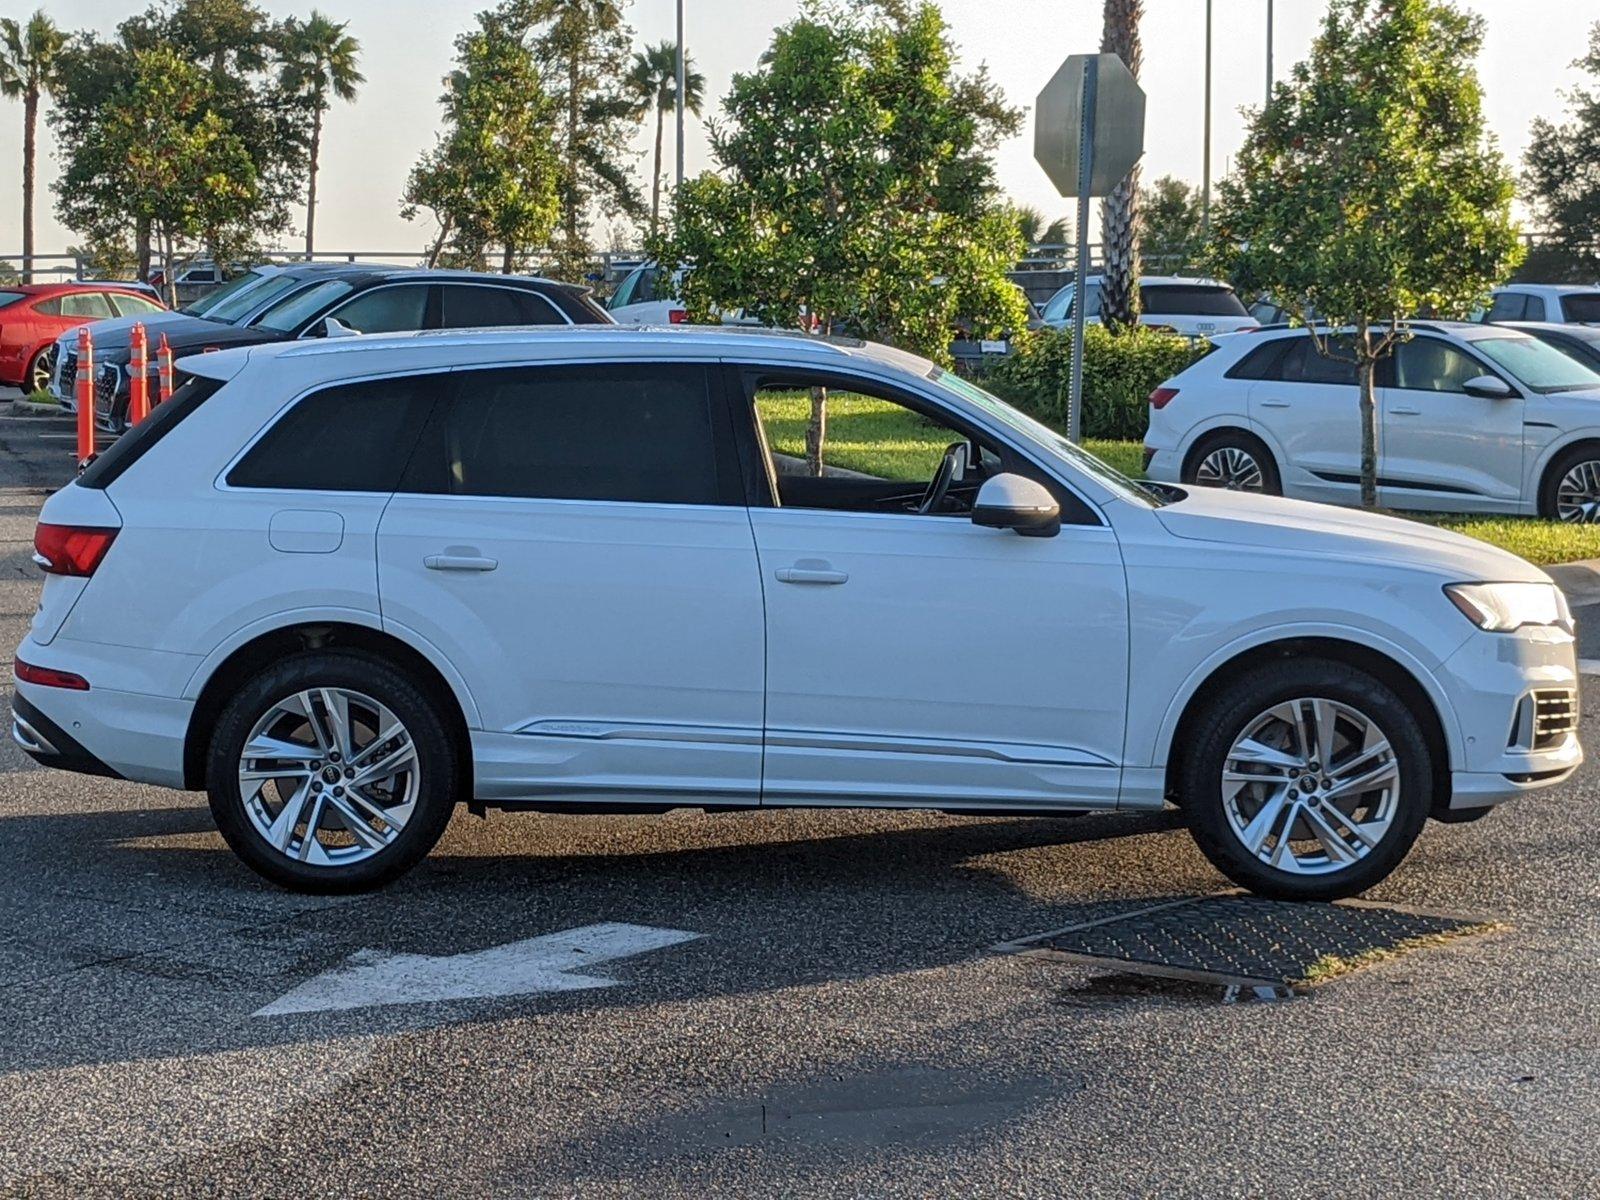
x=48, y=677
x=1162, y=396
x=677, y=316
x=70, y=549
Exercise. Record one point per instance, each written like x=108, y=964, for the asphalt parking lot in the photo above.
x=810, y=1006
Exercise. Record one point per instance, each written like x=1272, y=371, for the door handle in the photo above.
x=810, y=570
x=459, y=562
x=1274, y=404
x=1405, y=412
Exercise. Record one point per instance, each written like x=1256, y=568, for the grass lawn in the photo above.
x=886, y=440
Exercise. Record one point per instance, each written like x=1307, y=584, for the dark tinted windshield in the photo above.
x=1190, y=299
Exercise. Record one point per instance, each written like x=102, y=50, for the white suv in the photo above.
x=1471, y=418
x=345, y=585
x=1192, y=307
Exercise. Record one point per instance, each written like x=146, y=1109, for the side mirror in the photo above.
x=1488, y=387
x=332, y=327
x=1014, y=502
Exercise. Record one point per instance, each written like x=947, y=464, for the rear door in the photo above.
x=573, y=540
x=1310, y=404
x=1444, y=450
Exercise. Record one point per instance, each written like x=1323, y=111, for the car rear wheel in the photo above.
x=40, y=370
x=1571, y=488
x=331, y=772
x=1307, y=780
x=1233, y=460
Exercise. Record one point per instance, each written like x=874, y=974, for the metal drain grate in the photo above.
x=1243, y=941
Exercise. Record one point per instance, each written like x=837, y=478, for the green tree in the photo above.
x=582, y=46
x=494, y=177
x=1119, y=211
x=653, y=83
x=1368, y=190
x=1169, y=211
x=320, y=64
x=28, y=57
x=235, y=47
x=1057, y=233
x=177, y=169
x=1561, y=178
x=856, y=190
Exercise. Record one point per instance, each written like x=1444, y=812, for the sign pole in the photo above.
x=1091, y=88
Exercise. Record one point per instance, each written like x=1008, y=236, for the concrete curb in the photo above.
x=1579, y=580
x=23, y=407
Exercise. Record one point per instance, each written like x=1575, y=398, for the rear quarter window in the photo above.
x=191, y=393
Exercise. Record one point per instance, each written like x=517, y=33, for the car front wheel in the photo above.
x=1571, y=488
x=1307, y=780
x=331, y=772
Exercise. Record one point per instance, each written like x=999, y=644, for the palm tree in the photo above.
x=28, y=69
x=1030, y=223
x=1057, y=233
x=653, y=83
x=319, y=62
x=1119, y=215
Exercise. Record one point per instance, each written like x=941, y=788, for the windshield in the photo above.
x=1190, y=299
x=225, y=298
x=294, y=310
x=1047, y=438
x=1537, y=365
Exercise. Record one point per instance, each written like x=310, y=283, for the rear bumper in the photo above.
x=49, y=745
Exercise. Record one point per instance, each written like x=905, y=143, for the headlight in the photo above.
x=1503, y=607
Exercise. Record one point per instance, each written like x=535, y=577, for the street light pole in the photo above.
x=1205, y=176
x=1269, y=51
x=679, y=106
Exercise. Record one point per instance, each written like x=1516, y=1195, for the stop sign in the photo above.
x=1117, y=139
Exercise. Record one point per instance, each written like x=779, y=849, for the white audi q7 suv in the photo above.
x=346, y=585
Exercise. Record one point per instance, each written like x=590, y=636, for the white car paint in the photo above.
x=664, y=653
x=1188, y=306
x=641, y=300
x=1438, y=450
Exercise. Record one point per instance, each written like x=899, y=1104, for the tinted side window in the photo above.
x=128, y=305
x=85, y=304
x=1426, y=364
x=631, y=432
x=49, y=308
x=476, y=307
x=1302, y=364
x=356, y=437
x=1507, y=306
x=1535, y=311
x=386, y=310
x=1584, y=307
x=1263, y=362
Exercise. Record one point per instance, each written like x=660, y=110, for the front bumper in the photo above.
x=1516, y=696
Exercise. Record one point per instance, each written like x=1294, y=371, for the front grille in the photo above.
x=1544, y=719
x=69, y=372
x=1555, y=715
x=105, y=390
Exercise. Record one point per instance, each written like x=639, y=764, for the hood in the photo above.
x=185, y=334
x=1324, y=531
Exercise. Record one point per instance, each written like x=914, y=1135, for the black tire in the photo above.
x=1240, y=442
x=1557, y=470
x=41, y=364
x=1225, y=719
x=437, y=759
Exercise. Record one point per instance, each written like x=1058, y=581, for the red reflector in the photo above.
x=70, y=549
x=1161, y=397
x=45, y=677
x=677, y=316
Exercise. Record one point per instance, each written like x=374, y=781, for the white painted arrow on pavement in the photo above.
x=539, y=964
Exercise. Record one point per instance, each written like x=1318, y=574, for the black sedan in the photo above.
x=271, y=304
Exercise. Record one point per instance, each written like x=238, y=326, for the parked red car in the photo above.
x=34, y=315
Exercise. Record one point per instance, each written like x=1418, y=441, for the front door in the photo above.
x=912, y=655
x=1444, y=450
x=573, y=540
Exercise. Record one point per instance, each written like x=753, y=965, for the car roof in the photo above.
x=360, y=272
x=1561, y=289
x=70, y=285
x=623, y=341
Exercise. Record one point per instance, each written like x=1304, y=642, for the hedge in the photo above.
x=1119, y=373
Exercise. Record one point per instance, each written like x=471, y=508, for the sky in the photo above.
x=370, y=146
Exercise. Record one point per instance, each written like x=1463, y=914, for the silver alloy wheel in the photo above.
x=1310, y=786
x=43, y=367
x=1232, y=468
x=329, y=776
x=1578, y=493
